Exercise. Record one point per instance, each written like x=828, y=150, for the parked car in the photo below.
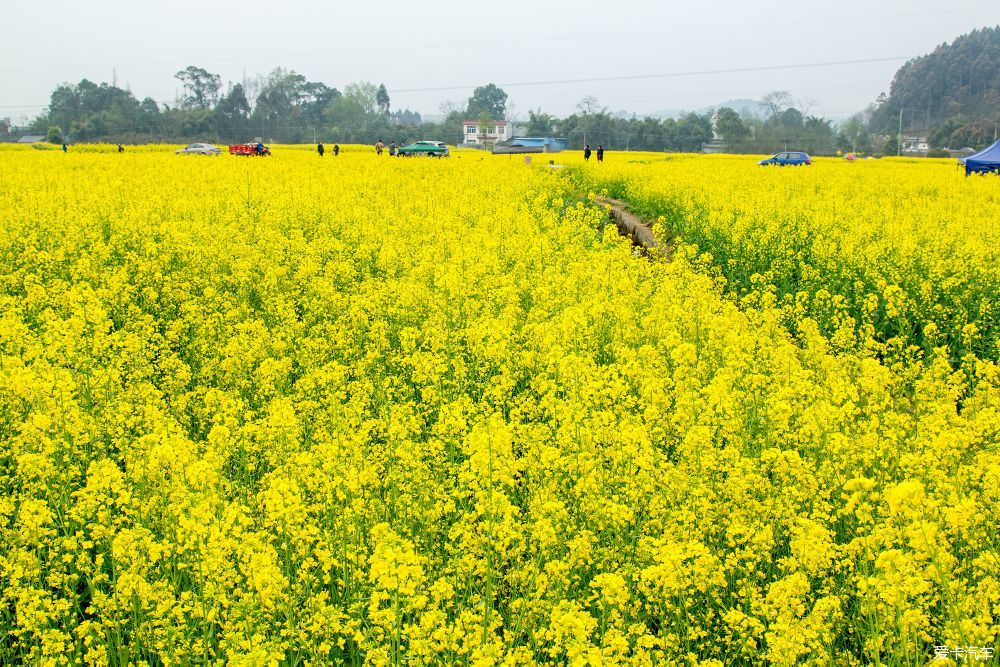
x=794, y=158
x=198, y=149
x=428, y=148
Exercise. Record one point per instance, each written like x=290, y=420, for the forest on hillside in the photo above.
x=951, y=94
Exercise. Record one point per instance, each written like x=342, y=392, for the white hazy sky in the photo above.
x=440, y=50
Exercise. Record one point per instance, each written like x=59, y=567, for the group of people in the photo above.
x=379, y=147
x=65, y=148
x=321, y=149
x=600, y=153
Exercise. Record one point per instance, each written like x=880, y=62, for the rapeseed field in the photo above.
x=897, y=256
x=363, y=410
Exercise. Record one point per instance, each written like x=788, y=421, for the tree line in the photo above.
x=785, y=125
x=281, y=106
x=284, y=106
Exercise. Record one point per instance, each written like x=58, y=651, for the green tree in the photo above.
x=345, y=117
x=364, y=93
x=648, y=135
x=692, y=131
x=148, y=118
x=406, y=117
x=775, y=103
x=279, y=107
x=484, y=124
x=731, y=127
x=589, y=121
x=489, y=98
x=91, y=111
x=382, y=100
x=891, y=145
x=64, y=106
x=669, y=130
x=540, y=124
x=450, y=129
x=314, y=100
x=818, y=136
x=790, y=118
x=54, y=135
x=960, y=132
x=232, y=114
x=201, y=87
x=855, y=134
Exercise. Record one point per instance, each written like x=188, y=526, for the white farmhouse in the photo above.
x=474, y=134
x=915, y=144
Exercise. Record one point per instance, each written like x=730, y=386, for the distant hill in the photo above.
x=956, y=84
x=740, y=106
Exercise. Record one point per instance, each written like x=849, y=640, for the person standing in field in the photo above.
x=392, y=148
x=378, y=147
x=586, y=151
x=320, y=149
x=336, y=150
x=600, y=153
x=64, y=148
x=121, y=149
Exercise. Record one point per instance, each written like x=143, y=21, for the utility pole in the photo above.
x=899, y=137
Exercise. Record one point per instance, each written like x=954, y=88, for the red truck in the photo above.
x=258, y=149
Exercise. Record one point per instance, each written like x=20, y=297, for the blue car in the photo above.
x=794, y=158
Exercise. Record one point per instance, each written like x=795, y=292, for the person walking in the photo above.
x=320, y=149
x=378, y=147
x=336, y=150
x=586, y=151
x=64, y=148
x=121, y=149
x=392, y=148
x=600, y=153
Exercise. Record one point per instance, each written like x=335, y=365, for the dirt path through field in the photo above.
x=632, y=226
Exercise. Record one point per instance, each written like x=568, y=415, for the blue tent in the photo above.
x=984, y=161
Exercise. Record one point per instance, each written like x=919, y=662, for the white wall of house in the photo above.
x=474, y=134
x=915, y=144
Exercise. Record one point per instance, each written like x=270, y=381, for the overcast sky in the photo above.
x=427, y=52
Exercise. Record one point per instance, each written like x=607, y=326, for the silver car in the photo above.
x=198, y=149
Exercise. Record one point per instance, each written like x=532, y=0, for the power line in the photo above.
x=626, y=77
x=714, y=27
x=667, y=75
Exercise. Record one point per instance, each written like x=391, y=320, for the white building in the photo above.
x=475, y=135
x=915, y=144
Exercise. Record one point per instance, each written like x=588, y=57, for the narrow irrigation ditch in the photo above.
x=630, y=225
